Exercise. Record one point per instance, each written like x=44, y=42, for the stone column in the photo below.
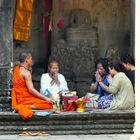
x=6, y=49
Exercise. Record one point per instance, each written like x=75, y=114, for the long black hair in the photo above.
x=104, y=63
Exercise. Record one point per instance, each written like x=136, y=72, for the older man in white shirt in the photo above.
x=53, y=88
x=53, y=83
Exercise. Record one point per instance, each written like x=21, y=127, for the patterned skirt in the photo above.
x=105, y=101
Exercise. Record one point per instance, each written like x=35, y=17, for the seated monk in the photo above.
x=24, y=96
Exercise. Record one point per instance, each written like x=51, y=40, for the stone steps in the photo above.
x=92, y=122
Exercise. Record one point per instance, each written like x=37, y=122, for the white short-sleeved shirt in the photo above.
x=53, y=89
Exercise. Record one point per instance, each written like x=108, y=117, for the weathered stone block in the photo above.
x=71, y=86
x=83, y=88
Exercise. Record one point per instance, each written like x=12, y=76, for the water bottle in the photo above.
x=58, y=103
x=61, y=102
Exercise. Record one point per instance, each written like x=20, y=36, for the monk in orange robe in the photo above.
x=24, y=96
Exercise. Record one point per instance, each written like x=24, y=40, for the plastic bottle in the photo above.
x=61, y=102
x=58, y=103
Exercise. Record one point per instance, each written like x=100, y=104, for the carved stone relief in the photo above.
x=79, y=18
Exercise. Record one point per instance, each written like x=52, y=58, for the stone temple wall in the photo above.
x=112, y=18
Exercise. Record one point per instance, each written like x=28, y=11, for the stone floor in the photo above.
x=68, y=137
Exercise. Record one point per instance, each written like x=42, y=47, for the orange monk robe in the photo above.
x=22, y=98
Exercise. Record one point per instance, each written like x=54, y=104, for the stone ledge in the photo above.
x=91, y=115
x=93, y=112
x=92, y=122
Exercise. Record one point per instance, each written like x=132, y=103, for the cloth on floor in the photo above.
x=105, y=101
x=43, y=113
x=93, y=100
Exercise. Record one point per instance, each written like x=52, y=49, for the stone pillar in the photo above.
x=6, y=51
